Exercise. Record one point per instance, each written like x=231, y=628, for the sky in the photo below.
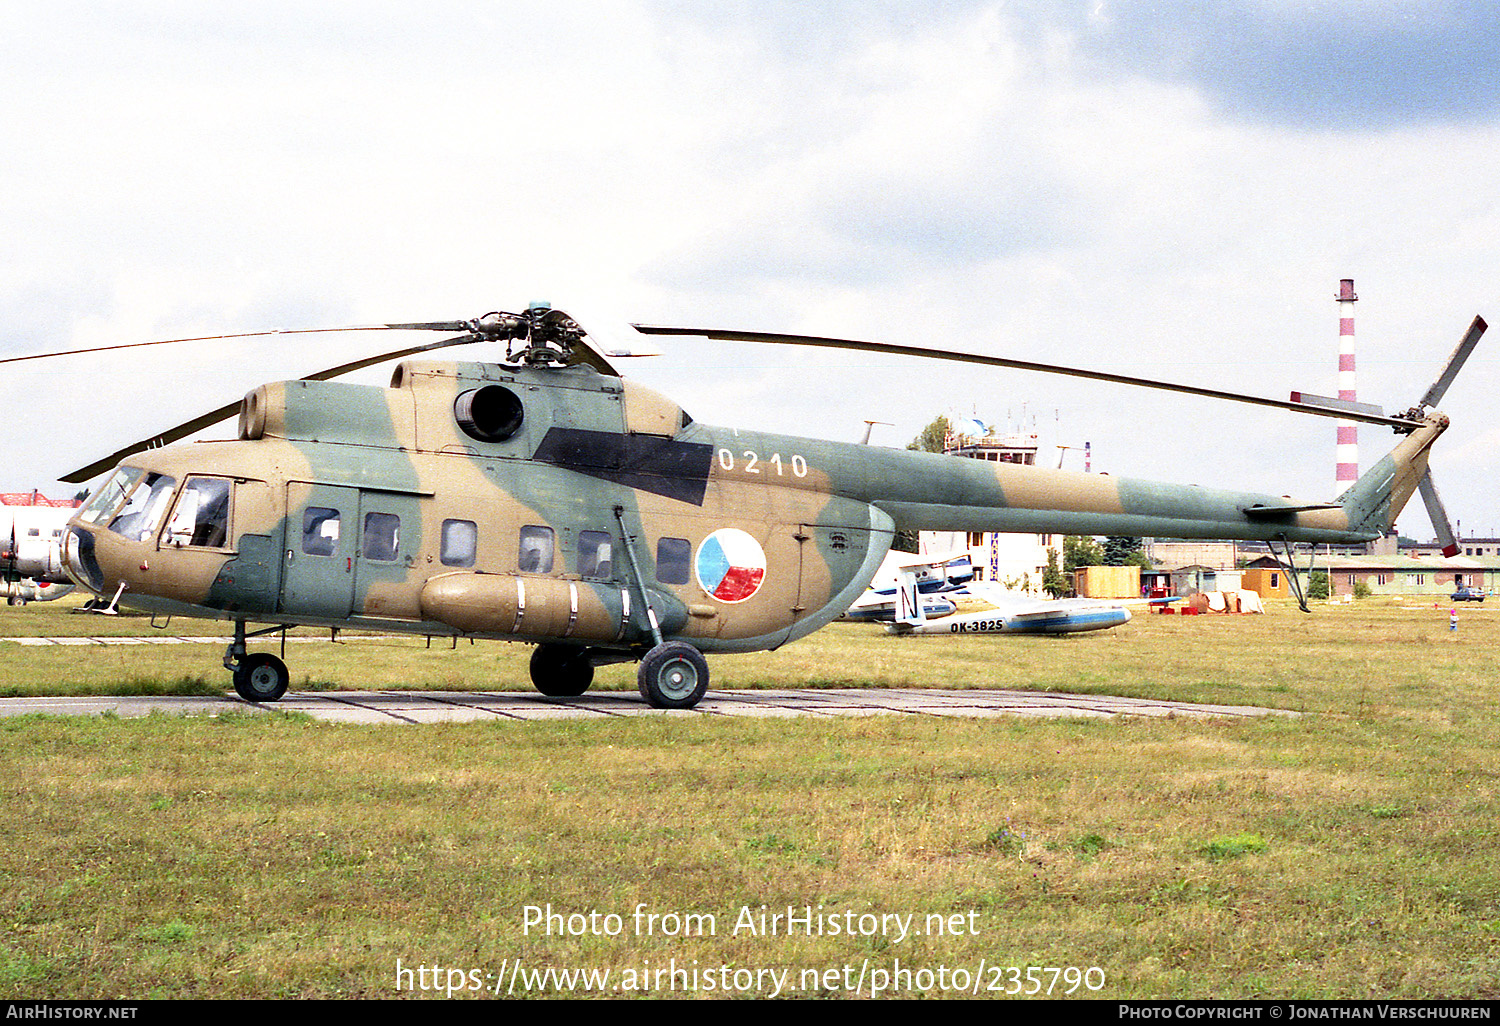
x=1166, y=189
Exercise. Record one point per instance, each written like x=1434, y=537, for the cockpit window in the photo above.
x=141, y=515
x=201, y=518
x=109, y=494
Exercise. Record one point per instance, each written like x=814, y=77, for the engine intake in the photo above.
x=490, y=414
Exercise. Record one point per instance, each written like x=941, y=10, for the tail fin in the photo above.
x=1375, y=501
x=909, y=609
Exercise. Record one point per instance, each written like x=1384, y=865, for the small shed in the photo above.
x=1267, y=582
x=1107, y=582
x=1197, y=577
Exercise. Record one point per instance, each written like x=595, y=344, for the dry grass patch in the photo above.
x=1319, y=856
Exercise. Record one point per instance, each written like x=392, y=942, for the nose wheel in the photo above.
x=258, y=677
x=673, y=675
x=261, y=678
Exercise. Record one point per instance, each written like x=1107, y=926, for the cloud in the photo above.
x=927, y=153
x=1339, y=65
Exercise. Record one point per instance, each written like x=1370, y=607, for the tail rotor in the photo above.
x=1441, y=525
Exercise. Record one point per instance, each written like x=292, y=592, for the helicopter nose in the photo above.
x=80, y=562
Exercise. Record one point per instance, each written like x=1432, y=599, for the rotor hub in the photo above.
x=540, y=337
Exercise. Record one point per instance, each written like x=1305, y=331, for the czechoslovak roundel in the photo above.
x=731, y=565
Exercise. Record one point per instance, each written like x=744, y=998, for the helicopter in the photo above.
x=545, y=498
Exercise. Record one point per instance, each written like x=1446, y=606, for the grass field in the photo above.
x=1348, y=852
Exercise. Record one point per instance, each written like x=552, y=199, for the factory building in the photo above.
x=1423, y=577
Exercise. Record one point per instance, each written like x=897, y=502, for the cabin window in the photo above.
x=320, y=530
x=1275, y=581
x=382, y=536
x=201, y=518
x=673, y=557
x=537, y=546
x=460, y=542
x=595, y=554
x=141, y=515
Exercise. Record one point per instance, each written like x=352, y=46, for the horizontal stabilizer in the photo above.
x=1272, y=512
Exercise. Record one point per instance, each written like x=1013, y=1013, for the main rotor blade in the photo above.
x=1438, y=515
x=1455, y=363
x=1028, y=365
x=580, y=352
x=223, y=413
x=370, y=361
x=428, y=326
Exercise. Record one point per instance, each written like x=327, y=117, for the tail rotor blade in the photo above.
x=1439, y=516
x=1455, y=363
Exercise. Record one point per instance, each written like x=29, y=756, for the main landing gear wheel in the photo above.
x=561, y=671
x=261, y=678
x=673, y=675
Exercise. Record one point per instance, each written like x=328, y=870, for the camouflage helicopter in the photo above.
x=543, y=498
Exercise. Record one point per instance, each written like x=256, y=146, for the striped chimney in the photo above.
x=1348, y=434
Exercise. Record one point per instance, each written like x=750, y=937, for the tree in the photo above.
x=933, y=436
x=1080, y=550
x=1118, y=550
x=1121, y=551
x=931, y=439
x=1053, y=581
x=1317, y=585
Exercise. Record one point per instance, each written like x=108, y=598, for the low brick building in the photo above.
x=1416, y=577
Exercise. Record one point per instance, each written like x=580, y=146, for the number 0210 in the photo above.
x=752, y=465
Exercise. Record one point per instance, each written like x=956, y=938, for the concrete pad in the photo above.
x=417, y=707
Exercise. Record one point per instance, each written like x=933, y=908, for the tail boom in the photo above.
x=925, y=492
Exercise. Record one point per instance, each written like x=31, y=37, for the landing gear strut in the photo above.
x=673, y=674
x=261, y=677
